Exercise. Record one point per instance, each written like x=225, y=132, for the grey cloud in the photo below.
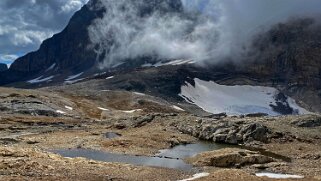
x=24, y=24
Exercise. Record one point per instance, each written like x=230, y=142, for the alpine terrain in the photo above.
x=167, y=90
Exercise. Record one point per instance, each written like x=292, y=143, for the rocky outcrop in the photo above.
x=309, y=121
x=3, y=67
x=230, y=157
x=225, y=131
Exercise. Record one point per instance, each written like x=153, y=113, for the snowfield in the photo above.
x=234, y=100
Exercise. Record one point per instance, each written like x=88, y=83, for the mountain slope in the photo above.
x=69, y=52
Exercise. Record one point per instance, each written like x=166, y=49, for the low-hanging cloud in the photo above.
x=207, y=31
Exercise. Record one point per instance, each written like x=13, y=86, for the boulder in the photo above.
x=254, y=131
x=229, y=157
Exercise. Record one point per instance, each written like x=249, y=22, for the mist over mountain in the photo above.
x=206, y=31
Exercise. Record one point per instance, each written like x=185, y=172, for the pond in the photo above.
x=168, y=158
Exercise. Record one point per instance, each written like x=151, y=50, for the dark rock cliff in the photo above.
x=289, y=54
x=3, y=67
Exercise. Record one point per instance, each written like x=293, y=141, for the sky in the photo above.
x=24, y=24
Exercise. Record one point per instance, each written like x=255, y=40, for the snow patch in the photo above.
x=60, y=112
x=174, y=62
x=278, y=176
x=109, y=77
x=51, y=67
x=177, y=108
x=103, y=109
x=72, y=77
x=69, y=108
x=73, y=81
x=234, y=100
x=138, y=93
x=197, y=176
x=132, y=111
x=117, y=64
x=40, y=79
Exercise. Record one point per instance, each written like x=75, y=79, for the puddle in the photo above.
x=278, y=176
x=111, y=135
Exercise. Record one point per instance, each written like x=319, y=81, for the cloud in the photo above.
x=7, y=59
x=25, y=24
x=212, y=30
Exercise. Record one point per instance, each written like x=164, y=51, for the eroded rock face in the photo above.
x=230, y=157
x=223, y=131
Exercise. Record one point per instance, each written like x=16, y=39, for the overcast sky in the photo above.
x=24, y=24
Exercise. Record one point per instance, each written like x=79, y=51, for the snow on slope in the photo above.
x=40, y=79
x=234, y=100
x=174, y=62
x=72, y=77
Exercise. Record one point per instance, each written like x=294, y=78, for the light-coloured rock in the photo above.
x=229, y=157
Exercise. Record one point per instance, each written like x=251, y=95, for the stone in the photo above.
x=230, y=157
x=255, y=131
x=309, y=122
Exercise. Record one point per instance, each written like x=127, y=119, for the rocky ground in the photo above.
x=34, y=122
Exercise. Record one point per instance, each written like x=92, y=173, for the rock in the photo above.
x=143, y=120
x=309, y=122
x=256, y=115
x=3, y=67
x=220, y=138
x=216, y=116
x=255, y=132
x=120, y=125
x=229, y=157
x=225, y=131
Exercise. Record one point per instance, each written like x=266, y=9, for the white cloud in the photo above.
x=8, y=57
x=73, y=5
x=25, y=24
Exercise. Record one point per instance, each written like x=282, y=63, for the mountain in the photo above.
x=288, y=55
x=3, y=67
x=69, y=52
